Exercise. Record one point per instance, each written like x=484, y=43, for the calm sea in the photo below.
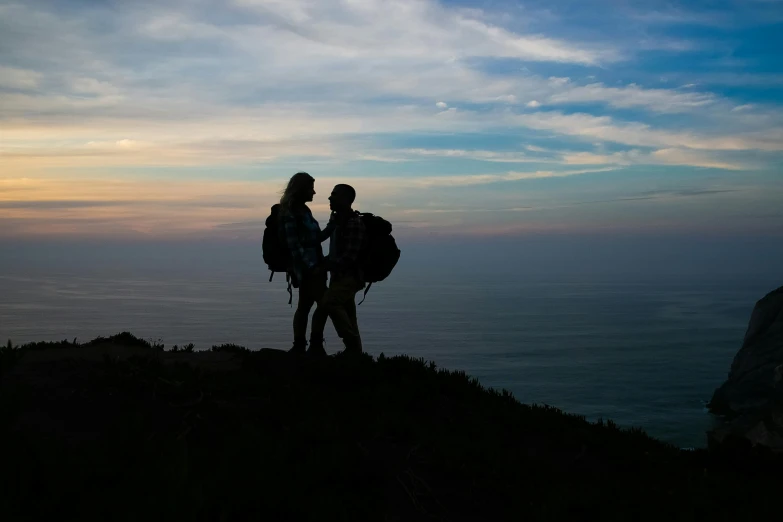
x=643, y=353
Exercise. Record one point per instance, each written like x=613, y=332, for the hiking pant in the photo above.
x=311, y=290
x=339, y=303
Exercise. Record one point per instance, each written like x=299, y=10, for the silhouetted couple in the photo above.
x=346, y=233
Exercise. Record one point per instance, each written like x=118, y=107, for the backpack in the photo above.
x=379, y=253
x=275, y=248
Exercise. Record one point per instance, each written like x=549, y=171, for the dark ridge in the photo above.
x=230, y=434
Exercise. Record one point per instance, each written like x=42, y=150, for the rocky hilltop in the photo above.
x=117, y=429
x=751, y=399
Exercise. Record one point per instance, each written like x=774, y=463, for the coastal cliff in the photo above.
x=751, y=399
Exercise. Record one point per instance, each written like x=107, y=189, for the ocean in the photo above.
x=643, y=351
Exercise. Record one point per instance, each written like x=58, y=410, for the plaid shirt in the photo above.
x=302, y=235
x=345, y=244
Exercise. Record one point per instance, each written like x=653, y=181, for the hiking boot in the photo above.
x=353, y=346
x=316, y=349
x=298, y=348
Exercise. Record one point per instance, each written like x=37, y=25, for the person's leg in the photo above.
x=337, y=301
x=303, y=305
x=350, y=308
x=319, y=318
x=311, y=290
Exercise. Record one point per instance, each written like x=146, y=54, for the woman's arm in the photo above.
x=327, y=231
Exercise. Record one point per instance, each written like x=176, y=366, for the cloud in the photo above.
x=641, y=196
x=675, y=156
x=260, y=66
x=670, y=156
x=66, y=204
x=483, y=179
x=81, y=85
x=164, y=150
x=344, y=50
x=413, y=27
x=118, y=207
x=252, y=225
x=658, y=100
x=61, y=204
x=673, y=45
x=481, y=155
x=589, y=158
x=41, y=106
x=638, y=134
x=701, y=192
x=121, y=207
x=23, y=79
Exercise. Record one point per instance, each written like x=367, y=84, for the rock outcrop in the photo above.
x=751, y=399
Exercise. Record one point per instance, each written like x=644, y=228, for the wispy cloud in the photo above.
x=481, y=155
x=670, y=156
x=60, y=204
x=658, y=100
x=431, y=30
x=482, y=179
x=23, y=79
x=604, y=128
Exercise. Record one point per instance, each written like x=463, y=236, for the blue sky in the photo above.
x=184, y=118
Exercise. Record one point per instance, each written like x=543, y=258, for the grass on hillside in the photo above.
x=287, y=438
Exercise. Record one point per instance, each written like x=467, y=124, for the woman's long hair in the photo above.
x=293, y=193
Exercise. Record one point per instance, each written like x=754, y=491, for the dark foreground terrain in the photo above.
x=117, y=429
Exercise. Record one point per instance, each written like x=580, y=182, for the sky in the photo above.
x=183, y=119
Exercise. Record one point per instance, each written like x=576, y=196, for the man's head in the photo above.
x=342, y=198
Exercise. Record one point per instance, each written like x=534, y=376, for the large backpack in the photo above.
x=379, y=253
x=276, y=254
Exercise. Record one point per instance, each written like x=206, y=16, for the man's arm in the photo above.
x=351, y=244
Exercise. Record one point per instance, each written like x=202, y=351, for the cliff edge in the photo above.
x=751, y=399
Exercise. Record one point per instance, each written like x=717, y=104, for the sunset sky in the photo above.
x=185, y=118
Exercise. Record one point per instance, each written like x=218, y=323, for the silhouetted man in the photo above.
x=345, y=243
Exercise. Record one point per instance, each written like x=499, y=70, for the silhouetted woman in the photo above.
x=304, y=236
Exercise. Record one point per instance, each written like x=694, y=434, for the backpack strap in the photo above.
x=290, y=292
x=287, y=280
x=365, y=293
